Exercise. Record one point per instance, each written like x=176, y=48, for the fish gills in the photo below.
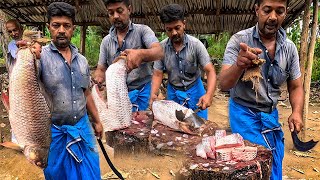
x=29, y=113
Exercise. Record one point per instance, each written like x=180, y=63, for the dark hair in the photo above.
x=260, y=2
x=15, y=22
x=171, y=12
x=126, y=2
x=61, y=9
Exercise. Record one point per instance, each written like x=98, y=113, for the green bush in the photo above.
x=93, y=41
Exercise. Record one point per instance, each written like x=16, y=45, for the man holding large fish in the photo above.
x=140, y=46
x=183, y=56
x=64, y=75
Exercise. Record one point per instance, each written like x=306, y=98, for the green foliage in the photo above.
x=217, y=44
x=2, y=62
x=93, y=41
x=316, y=63
x=295, y=33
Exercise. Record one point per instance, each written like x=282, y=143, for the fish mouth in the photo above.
x=189, y=124
x=37, y=155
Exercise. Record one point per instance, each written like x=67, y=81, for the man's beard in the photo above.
x=270, y=29
x=176, y=39
x=62, y=43
x=120, y=25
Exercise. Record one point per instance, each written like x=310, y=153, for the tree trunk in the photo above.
x=4, y=38
x=307, y=76
x=83, y=35
x=304, y=38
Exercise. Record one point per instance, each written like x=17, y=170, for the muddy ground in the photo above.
x=13, y=164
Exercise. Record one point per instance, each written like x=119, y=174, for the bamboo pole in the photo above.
x=307, y=78
x=304, y=38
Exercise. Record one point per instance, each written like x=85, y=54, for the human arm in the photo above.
x=231, y=73
x=153, y=50
x=296, y=96
x=92, y=110
x=206, y=100
x=136, y=56
x=100, y=74
x=155, y=85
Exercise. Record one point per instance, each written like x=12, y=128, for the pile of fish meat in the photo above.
x=222, y=147
x=114, y=108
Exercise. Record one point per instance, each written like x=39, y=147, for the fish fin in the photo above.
x=12, y=145
x=5, y=100
x=180, y=115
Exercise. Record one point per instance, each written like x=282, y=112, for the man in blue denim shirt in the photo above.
x=184, y=54
x=255, y=117
x=65, y=74
x=138, y=42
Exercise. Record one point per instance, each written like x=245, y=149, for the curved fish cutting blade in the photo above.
x=302, y=146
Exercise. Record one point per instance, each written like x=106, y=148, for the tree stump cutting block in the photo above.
x=198, y=168
x=134, y=139
x=165, y=140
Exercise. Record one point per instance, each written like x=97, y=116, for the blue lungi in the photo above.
x=73, y=153
x=190, y=97
x=140, y=98
x=260, y=128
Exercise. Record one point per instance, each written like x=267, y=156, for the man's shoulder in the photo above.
x=140, y=26
x=193, y=39
x=290, y=43
x=244, y=33
x=106, y=38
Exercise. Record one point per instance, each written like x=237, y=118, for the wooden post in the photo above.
x=307, y=78
x=304, y=38
x=83, y=34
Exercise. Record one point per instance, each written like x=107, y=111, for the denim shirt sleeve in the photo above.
x=158, y=65
x=148, y=36
x=103, y=56
x=232, y=51
x=202, y=54
x=294, y=68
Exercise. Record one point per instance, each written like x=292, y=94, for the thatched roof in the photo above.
x=203, y=16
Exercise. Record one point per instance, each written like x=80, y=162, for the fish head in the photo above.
x=195, y=120
x=37, y=155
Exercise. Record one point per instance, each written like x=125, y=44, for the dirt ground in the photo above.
x=13, y=164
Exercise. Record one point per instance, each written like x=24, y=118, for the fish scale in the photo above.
x=115, y=112
x=29, y=114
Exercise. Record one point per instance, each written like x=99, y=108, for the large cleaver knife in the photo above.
x=302, y=146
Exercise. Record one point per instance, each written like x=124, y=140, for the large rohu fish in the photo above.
x=177, y=117
x=29, y=113
x=115, y=111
